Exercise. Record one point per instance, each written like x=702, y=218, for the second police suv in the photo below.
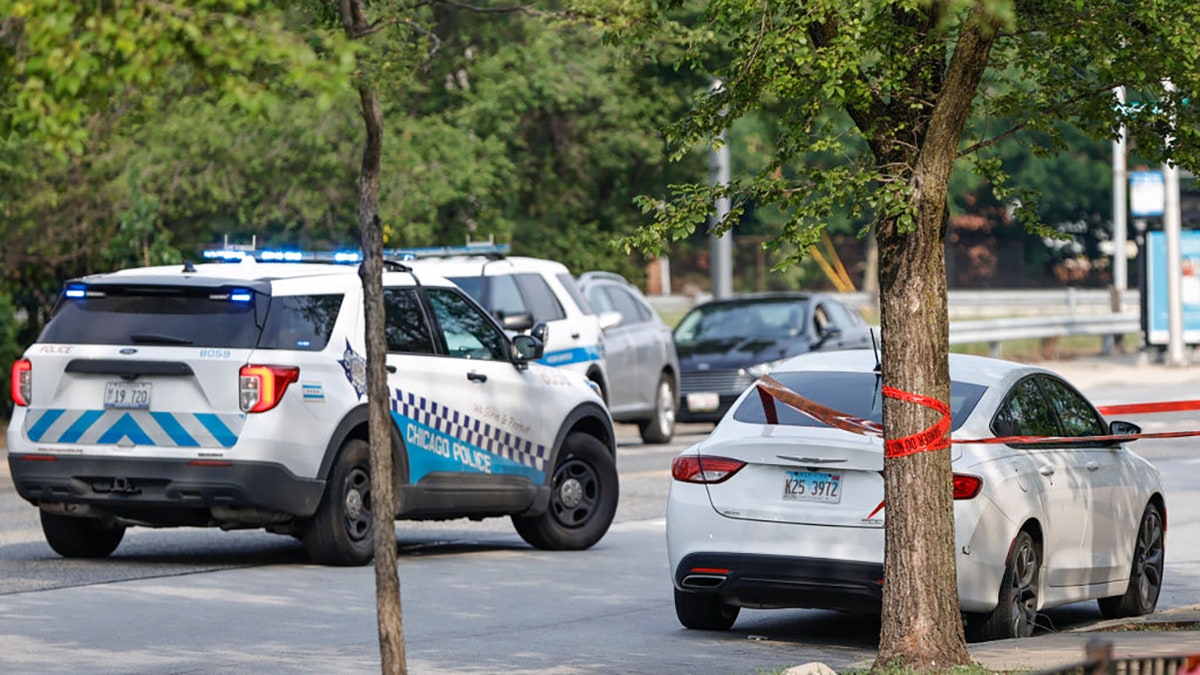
x=233, y=395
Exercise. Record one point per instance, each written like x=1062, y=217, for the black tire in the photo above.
x=1016, y=614
x=704, y=611
x=583, y=498
x=342, y=530
x=661, y=427
x=1146, y=574
x=73, y=537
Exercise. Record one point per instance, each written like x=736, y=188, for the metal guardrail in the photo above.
x=996, y=331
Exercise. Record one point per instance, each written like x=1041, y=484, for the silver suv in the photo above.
x=643, y=367
x=233, y=395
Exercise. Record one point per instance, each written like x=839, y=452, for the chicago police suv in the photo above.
x=233, y=395
x=522, y=292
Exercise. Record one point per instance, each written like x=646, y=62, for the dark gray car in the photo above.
x=725, y=345
x=643, y=369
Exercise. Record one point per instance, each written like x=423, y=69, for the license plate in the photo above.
x=812, y=486
x=704, y=401
x=134, y=395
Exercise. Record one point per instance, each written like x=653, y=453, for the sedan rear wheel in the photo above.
x=704, y=611
x=661, y=427
x=1016, y=613
x=1145, y=577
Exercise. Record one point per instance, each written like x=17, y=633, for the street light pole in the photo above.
x=1172, y=229
x=720, y=247
x=1120, y=210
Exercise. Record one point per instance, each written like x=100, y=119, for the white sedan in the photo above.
x=778, y=509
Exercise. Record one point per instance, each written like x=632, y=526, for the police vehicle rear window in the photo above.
x=302, y=322
x=855, y=394
x=157, y=315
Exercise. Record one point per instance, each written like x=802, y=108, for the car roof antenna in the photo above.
x=875, y=346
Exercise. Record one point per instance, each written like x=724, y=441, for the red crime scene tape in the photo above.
x=937, y=437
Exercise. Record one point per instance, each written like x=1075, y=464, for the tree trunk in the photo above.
x=921, y=623
x=389, y=618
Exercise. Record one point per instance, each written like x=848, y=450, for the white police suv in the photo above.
x=522, y=292
x=233, y=395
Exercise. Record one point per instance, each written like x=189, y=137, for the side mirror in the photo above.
x=610, y=320
x=516, y=322
x=1123, y=428
x=541, y=331
x=826, y=333
x=527, y=348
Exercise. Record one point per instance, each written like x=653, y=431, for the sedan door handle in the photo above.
x=1092, y=465
x=1046, y=471
x=391, y=368
x=476, y=377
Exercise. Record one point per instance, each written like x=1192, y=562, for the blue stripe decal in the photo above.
x=125, y=427
x=80, y=426
x=218, y=429
x=175, y=430
x=44, y=423
x=569, y=356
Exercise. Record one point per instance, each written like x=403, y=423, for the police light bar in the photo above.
x=283, y=255
x=345, y=257
x=482, y=249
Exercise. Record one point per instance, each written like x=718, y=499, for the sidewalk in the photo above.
x=1167, y=633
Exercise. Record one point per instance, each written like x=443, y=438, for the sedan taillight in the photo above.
x=966, y=487
x=703, y=468
x=262, y=387
x=22, y=382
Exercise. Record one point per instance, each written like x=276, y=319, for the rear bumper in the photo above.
x=772, y=582
x=139, y=489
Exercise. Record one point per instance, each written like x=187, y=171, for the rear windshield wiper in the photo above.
x=154, y=338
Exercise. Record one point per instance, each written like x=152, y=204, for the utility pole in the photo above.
x=721, y=247
x=1172, y=229
x=1120, y=210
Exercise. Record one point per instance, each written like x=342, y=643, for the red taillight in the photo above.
x=966, y=487
x=262, y=387
x=704, y=469
x=22, y=382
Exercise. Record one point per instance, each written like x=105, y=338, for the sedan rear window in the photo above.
x=855, y=394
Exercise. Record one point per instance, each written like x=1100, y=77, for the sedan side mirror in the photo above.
x=610, y=320
x=1123, y=428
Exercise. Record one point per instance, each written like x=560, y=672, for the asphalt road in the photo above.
x=476, y=598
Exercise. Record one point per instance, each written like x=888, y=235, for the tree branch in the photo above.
x=981, y=145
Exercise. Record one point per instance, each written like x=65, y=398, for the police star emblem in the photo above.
x=355, y=367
